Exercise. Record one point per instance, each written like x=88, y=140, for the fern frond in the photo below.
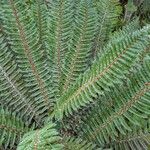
x=59, y=25
x=79, y=51
x=134, y=141
x=11, y=129
x=109, y=70
x=126, y=30
x=71, y=143
x=46, y=138
x=130, y=108
x=20, y=27
x=13, y=94
x=108, y=12
x=39, y=13
x=138, y=139
x=129, y=28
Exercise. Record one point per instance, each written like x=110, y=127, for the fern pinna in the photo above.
x=72, y=76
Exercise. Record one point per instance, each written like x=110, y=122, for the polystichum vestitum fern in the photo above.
x=74, y=75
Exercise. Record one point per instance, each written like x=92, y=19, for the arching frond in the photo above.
x=59, y=26
x=128, y=29
x=39, y=13
x=11, y=129
x=13, y=93
x=46, y=138
x=71, y=143
x=136, y=140
x=130, y=107
x=109, y=70
x=108, y=12
x=22, y=31
x=73, y=75
x=78, y=56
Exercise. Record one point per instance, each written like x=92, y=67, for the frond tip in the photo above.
x=46, y=138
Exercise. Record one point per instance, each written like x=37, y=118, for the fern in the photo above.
x=79, y=53
x=129, y=106
x=59, y=26
x=74, y=75
x=134, y=140
x=11, y=129
x=119, y=56
x=45, y=138
x=13, y=93
x=35, y=76
x=77, y=143
x=108, y=16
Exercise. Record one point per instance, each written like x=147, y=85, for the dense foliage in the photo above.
x=74, y=74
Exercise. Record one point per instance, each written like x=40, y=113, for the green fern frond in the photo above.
x=59, y=26
x=135, y=141
x=108, y=12
x=46, y=138
x=11, y=129
x=129, y=108
x=71, y=143
x=129, y=28
x=39, y=12
x=138, y=139
x=126, y=30
x=13, y=93
x=22, y=33
x=77, y=59
x=109, y=70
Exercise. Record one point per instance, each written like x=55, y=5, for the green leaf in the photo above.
x=60, y=20
x=46, y=138
x=77, y=60
x=32, y=66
